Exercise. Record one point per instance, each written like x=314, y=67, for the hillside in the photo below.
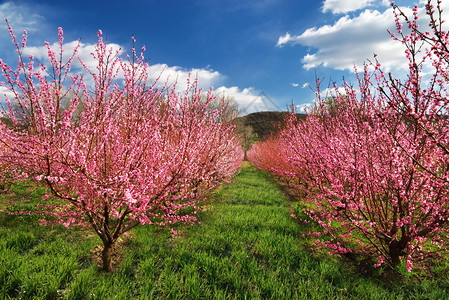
x=262, y=123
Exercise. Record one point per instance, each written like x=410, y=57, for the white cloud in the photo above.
x=282, y=40
x=175, y=74
x=163, y=75
x=248, y=99
x=333, y=92
x=84, y=52
x=326, y=93
x=306, y=84
x=344, y=6
x=5, y=92
x=445, y=14
x=294, y=84
x=21, y=17
x=302, y=108
x=350, y=41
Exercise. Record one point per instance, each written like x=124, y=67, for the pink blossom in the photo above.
x=123, y=153
x=375, y=162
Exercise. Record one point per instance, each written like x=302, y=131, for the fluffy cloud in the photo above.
x=161, y=74
x=326, y=93
x=344, y=6
x=350, y=41
x=20, y=17
x=332, y=92
x=171, y=75
x=286, y=39
x=305, y=107
x=248, y=99
x=84, y=52
x=5, y=92
x=164, y=76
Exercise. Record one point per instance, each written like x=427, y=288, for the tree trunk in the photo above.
x=396, y=249
x=107, y=255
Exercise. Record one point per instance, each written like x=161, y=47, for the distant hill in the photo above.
x=262, y=123
x=5, y=121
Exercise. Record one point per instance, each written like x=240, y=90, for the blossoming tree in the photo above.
x=376, y=172
x=118, y=152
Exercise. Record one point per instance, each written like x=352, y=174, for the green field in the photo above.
x=247, y=246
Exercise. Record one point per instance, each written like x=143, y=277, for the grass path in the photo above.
x=248, y=246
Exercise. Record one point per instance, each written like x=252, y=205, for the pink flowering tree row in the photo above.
x=267, y=155
x=374, y=162
x=114, y=149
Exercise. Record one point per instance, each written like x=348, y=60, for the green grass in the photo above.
x=247, y=246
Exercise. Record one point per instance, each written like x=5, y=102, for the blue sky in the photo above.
x=263, y=53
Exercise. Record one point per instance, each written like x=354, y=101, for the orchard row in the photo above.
x=373, y=163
